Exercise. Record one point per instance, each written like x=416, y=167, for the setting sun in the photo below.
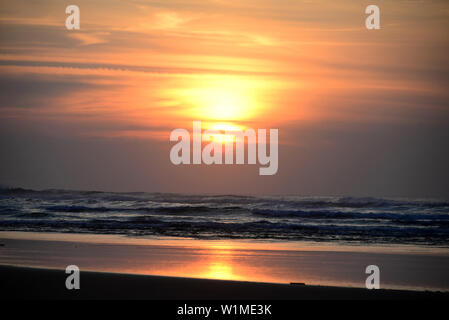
x=223, y=98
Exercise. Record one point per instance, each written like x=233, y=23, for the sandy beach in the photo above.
x=33, y=266
x=30, y=283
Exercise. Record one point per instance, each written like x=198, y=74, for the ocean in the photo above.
x=347, y=220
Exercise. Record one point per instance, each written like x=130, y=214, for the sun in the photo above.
x=224, y=103
x=221, y=99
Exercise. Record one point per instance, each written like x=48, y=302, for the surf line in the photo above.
x=212, y=153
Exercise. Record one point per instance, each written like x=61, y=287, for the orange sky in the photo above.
x=139, y=69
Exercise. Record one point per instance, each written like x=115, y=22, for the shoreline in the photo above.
x=250, y=244
x=42, y=284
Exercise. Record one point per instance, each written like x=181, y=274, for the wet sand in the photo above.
x=30, y=283
x=178, y=268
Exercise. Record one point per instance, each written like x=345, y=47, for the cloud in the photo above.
x=38, y=91
x=90, y=38
x=123, y=67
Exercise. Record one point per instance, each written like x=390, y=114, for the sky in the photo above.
x=359, y=112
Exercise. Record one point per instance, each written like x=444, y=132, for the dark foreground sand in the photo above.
x=33, y=283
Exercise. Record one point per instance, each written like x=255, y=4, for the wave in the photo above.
x=182, y=209
x=261, y=229
x=347, y=215
x=347, y=219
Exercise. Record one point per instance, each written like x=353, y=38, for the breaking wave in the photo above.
x=342, y=219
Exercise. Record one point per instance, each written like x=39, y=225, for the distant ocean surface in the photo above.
x=293, y=218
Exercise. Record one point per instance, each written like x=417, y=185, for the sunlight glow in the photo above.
x=219, y=270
